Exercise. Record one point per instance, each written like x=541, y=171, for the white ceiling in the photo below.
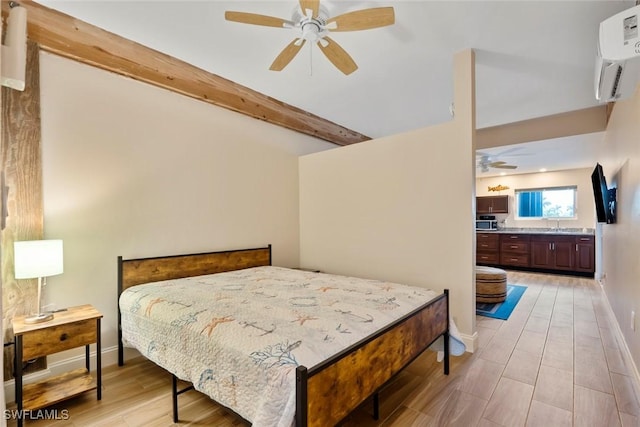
x=533, y=58
x=544, y=156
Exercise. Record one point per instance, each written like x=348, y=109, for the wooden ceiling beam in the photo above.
x=72, y=38
x=578, y=122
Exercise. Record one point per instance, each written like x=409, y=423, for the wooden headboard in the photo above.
x=144, y=270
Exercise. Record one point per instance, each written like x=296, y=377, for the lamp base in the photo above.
x=38, y=318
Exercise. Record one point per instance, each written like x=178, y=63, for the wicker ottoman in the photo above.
x=491, y=284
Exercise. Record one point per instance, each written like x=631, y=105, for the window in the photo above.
x=557, y=202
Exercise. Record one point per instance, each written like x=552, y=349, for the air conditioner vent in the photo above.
x=616, y=83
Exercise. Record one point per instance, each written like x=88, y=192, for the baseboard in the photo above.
x=626, y=350
x=470, y=341
x=109, y=357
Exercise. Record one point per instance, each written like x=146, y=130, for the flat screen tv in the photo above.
x=604, y=198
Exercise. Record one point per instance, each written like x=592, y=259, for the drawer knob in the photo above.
x=63, y=337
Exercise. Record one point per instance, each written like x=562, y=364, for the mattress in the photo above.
x=239, y=336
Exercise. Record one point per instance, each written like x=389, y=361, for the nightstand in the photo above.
x=70, y=328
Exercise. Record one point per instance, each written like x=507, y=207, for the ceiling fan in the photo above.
x=313, y=24
x=486, y=162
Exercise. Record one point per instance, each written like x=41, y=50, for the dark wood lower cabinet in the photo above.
x=487, y=248
x=541, y=254
x=585, y=254
x=553, y=252
x=548, y=252
x=514, y=250
x=564, y=253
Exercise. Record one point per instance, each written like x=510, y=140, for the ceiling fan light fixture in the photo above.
x=311, y=31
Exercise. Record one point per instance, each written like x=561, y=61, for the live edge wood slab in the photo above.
x=329, y=391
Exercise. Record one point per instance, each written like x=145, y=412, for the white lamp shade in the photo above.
x=37, y=258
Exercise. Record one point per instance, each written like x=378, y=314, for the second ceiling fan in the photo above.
x=487, y=162
x=313, y=24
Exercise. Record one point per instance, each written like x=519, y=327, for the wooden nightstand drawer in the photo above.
x=42, y=342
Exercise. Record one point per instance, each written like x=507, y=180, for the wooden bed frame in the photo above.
x=329, y=391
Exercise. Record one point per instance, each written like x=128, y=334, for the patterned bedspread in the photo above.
x=239, y=336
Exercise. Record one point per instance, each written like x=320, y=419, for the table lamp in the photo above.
x=37, y=259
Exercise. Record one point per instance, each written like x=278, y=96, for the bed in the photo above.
x=301, y=348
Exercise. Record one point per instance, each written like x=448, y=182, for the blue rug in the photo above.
x=502, y=310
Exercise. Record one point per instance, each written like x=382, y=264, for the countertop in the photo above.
x=554, y=231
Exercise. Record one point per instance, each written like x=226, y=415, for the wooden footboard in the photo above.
x=330, y=391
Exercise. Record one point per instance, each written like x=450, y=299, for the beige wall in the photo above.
x=133, y=170
x=580, y=177
x=397, y=208
x=621, y=241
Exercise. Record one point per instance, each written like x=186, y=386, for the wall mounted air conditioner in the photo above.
x=618, y=57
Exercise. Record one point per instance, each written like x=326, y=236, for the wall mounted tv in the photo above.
x=604, y=197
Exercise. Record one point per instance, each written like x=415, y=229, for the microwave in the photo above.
x=486, y=225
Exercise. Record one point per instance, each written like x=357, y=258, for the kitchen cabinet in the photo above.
x=562, y=252
x=492, y=204
x=553, y=252
x=487, y=248
x=514, y=250
x=585, y=254
x=541, y=253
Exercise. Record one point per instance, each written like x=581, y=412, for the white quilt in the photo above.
x=239, y=336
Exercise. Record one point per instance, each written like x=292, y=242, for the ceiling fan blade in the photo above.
x=337, y=55
x=504, y=166
x=255, y=19
x=496, y=164
x=287, y=54
x=363, y=19
x=314, y=5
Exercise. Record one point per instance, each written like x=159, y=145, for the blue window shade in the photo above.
x=556, y=202
x=530, y=204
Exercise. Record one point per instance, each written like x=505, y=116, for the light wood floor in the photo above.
x=557, y=361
